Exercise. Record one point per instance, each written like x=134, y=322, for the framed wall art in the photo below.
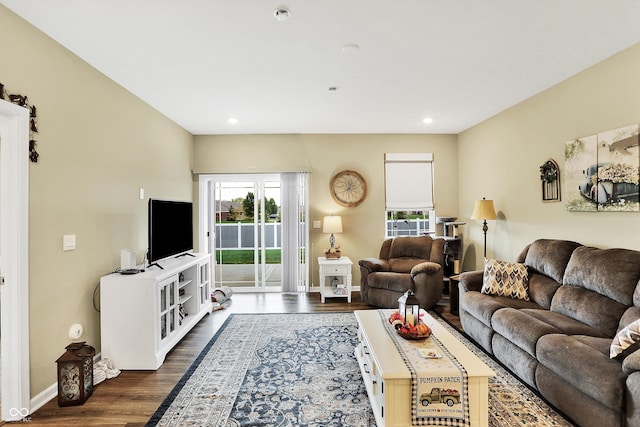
x=603, y=171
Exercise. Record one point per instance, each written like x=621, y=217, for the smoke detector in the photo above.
x=281, y=14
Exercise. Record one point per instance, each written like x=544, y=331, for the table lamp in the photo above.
x=332, y=224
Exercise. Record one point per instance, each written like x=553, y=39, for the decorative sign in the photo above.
x=439, y=382
x=550, y=177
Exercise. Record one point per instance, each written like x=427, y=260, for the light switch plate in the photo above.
x=316, y=224
x=68, y=242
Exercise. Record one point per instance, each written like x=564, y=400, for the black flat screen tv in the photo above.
x=170, y=228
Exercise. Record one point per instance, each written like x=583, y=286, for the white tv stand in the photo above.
x=142, y=316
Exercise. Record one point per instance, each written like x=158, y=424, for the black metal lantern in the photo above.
x=409, y=308
x=75, y=374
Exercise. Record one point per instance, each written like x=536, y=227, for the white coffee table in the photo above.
x=388, y=381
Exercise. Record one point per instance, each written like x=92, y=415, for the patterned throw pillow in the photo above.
x=626, y=338
x=506, y=279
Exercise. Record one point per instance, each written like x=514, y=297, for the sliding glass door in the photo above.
x=243, y=216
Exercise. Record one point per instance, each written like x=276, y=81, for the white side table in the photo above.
x=335, y=277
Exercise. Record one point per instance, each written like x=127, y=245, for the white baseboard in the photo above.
x=39, y=400
x=51, y=392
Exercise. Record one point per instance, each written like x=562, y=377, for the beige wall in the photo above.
x=500, y=159
x=324, y=156
x=98, y=145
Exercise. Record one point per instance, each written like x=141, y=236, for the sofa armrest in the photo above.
x=368, y=266
x=427, y=280
x=427, y=267
x=374, y=264
x=471, y=280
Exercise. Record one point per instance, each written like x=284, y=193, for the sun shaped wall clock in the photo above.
x=348, y=188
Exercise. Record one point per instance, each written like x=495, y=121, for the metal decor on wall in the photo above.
x=603, y=171
x=550, y=177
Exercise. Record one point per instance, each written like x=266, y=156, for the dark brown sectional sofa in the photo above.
x=559, y=341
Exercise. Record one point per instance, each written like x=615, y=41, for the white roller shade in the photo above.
x=408, y=181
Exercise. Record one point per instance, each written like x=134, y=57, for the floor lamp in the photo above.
x=483, y=209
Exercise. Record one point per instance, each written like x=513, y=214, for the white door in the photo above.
x=14, y=261
x=247, y=232
x=243, y=218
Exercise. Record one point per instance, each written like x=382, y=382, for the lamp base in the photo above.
x=332, y=255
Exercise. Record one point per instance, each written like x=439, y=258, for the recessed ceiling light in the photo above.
x=427, y=120
x=232, y=120
x=281, y=14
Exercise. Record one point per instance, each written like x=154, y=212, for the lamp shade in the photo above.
x=332, y=224
x=483, y=209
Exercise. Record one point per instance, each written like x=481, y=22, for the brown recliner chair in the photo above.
x=407, y=262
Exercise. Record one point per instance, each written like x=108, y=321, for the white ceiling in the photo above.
x=460, y=62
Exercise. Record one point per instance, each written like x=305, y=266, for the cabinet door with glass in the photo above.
x=204, y=280
x=168, y=306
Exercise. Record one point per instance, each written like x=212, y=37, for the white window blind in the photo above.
x=408, y=181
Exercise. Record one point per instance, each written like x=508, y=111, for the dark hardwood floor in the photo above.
x=131, y=398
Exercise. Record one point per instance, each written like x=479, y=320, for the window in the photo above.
x=409, y=206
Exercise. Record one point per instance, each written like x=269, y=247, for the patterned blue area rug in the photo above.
x=300, y=370
x=273, y=370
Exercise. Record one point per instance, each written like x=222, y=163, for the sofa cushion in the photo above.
x=541, y=289
x=613, y=273
x=565, y=324
x=550, y=257
x=630, y=315
x=437, y=251
x=481, y=333
x=583, y=409
x=625, y=339
x=506, y=279
x=519, y=361
x=483, y=306
x=396, y=282
x=385, y=248
x=411, y=246
x=601, y=345
x=631, y=364
x=575, y=362
x=404, y=265
x=520, y=328
x=591, y=308
x=406, y=252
